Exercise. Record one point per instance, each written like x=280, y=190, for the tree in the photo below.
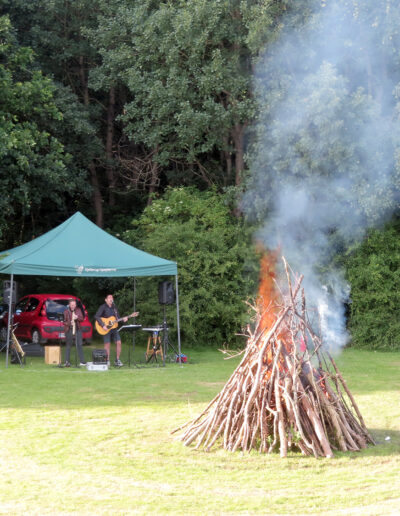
x=168, y=86
x=187, y=70
x=372, y=269
x=55, y=30
x=33, y=161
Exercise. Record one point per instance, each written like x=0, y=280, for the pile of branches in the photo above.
x=287, y=392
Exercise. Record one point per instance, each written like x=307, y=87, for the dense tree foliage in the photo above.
x=33, y=160
x=54, y=29
x=373, y=270
x=187, y=68
x=167, y=86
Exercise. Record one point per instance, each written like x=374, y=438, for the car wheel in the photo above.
x=35, y=337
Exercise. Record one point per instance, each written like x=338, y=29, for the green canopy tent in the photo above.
x=79, y=248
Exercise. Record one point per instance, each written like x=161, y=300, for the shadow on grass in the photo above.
x=383, y=447
x=387, y=442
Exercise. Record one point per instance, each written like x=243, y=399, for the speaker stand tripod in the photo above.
x=166, y=344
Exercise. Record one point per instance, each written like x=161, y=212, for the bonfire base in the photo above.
x=286, y=393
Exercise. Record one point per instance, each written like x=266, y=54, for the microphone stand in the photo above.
x=76, y=350
x=61, y=319
x=75, y=337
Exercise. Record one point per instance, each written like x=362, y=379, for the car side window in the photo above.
x=32, y=305
x=21, y=305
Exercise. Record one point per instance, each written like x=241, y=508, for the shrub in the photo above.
x=216, y=263
x=373, y=271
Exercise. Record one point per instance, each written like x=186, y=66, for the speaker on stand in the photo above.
x=166, y=293
x=166, y=296
x=8, y=292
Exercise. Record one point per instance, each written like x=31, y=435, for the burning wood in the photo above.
x=287, y=391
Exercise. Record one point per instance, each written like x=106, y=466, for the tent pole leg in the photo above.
x=134, y=294
x=177, y=319
x=9, y=317
x=133, y=333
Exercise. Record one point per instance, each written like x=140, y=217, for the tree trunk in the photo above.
x=97, y=199
x=153, y=183
x=238, y=140
x=228, y=159
x=109, y=147
x=94, y=180
x=85, y=90
x=154, y=177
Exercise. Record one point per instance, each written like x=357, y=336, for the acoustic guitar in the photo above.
x=111, y=323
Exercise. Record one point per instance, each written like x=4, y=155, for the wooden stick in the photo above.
x=351, y=397
x=281, y=420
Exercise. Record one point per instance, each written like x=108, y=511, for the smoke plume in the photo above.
x=324, y=167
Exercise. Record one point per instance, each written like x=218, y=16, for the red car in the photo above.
x=39, y=318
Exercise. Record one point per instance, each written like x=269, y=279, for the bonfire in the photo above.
x=287, y=392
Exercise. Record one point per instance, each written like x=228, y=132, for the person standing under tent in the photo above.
x=106, y=310
x=73, y=318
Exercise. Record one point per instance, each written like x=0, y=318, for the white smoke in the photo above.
x=324, y=168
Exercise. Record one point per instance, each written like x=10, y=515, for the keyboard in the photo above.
x=130, y=327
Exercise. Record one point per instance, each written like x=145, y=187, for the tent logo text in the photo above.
x=81, y=268
x=100, y=269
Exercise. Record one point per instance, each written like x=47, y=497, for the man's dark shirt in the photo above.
x=106, y=311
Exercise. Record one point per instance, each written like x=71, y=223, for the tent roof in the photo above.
x=78, y=247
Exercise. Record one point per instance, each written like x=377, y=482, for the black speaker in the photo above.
x=7, y=292
x=99, y=356
x=166, y=293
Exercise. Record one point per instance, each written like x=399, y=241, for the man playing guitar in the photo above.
x=106, y=310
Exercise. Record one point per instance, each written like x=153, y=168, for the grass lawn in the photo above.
x=79, y=442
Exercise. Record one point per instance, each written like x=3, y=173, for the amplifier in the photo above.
x=99, y=356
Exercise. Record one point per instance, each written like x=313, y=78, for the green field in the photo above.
x=79, y=442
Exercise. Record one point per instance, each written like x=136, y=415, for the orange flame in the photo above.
x=269, y=303
x=268, y=294
x=268, y=299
